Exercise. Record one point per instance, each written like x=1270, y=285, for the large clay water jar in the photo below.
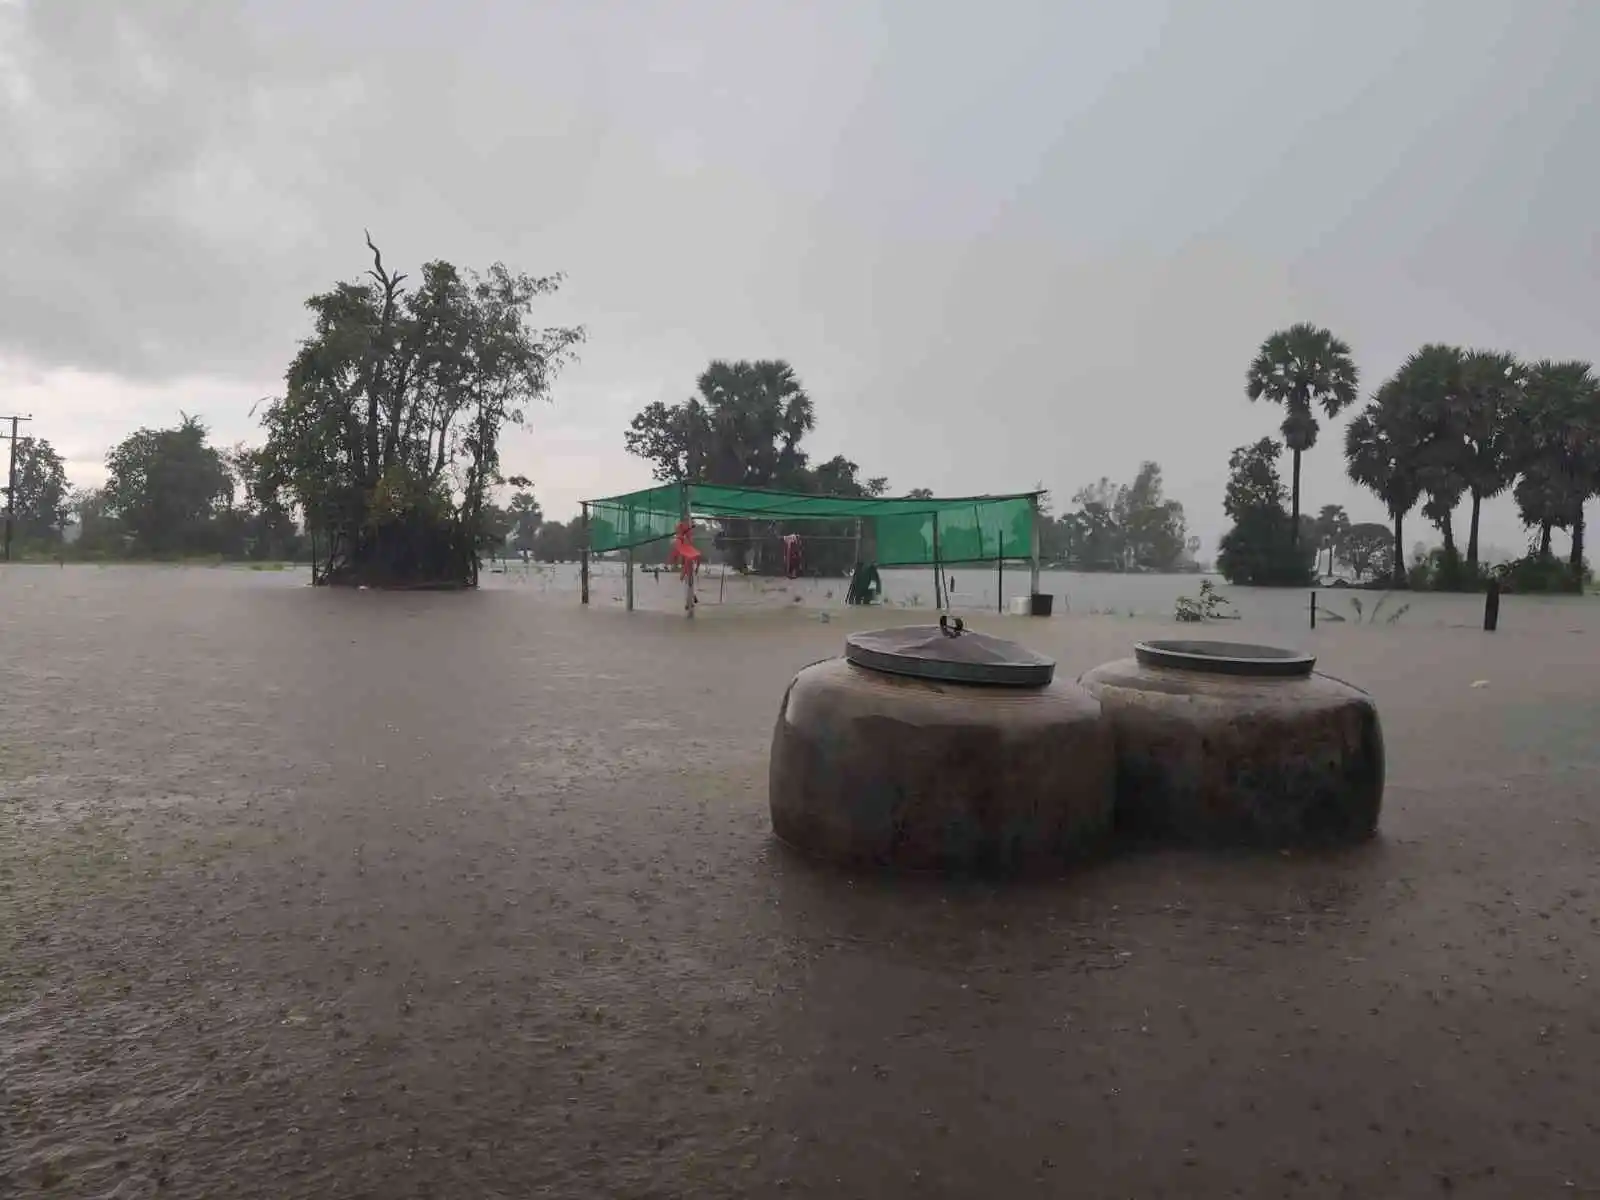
x=934, y=748
x=1234, y=744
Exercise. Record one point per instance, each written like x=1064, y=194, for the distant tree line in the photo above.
x=1121, y=527
x=170, y=494
x=1450, y=425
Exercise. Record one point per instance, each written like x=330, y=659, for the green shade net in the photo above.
x=967, y=529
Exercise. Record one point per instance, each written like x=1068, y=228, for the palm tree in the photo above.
x=1300, y=368
x=1491, y=394
x=1428, y=387
x=1381, y=449
x=1557, y=447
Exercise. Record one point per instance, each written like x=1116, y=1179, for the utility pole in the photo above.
x=11, y=482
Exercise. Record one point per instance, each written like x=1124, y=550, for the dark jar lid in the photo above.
x=949, y=653
x=1225, y=658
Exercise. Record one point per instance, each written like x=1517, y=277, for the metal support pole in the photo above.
x=938, y=567
x=1033, y=574
x=583, y=555
x=688, y=574
x=1491, y=607
x=1313, y=610
x=627, y=563
x=1000, y=577
x=11, y=485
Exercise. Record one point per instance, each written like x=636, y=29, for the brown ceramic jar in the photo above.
x=1233, y=744
x=884, y=768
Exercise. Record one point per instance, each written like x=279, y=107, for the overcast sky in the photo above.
x=1000, y=243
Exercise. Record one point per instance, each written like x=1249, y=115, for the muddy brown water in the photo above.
x=350, y=894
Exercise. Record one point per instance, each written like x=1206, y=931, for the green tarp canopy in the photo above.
x=967, y=528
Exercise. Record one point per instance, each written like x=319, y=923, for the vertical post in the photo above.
x=1313, y=610
x=1033, y=571
x=11, y=485
x=857, y=557
x=938, y=567
x=1491, y=607
x=627, y=563
x=583, y=554
x=1000, y=576
x=688, y=575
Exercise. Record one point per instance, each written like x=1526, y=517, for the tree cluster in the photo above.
x=387, y=436
x=1120, y=527
x=1452, y=424
x=744, y=427
x=1264, y=547
x=38, y=508
x=1449, y=425
x=169, y=494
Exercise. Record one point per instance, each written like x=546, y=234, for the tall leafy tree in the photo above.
x=1381, y=450
x=1253, y=480
x=40, y=503
x=1301, y=369
x=1557, y=448
x=167, y=486
x=1491, y=395
x=388, y=433
x=1366, y=547
x=742, y=428
x=1150, y=527
x=1094, y=540
x=1262, y=548
x=526, y=519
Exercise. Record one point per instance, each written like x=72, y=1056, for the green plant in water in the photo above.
x=1207, y=606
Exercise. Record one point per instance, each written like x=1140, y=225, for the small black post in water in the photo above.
x=1313, y=610
x=1491, y=607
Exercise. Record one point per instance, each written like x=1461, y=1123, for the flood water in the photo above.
x=313, y=894
x=981, y=589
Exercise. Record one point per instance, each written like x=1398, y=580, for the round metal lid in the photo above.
x=949, y=653
x=1225, y=658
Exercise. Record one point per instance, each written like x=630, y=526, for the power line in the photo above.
x=11, y=480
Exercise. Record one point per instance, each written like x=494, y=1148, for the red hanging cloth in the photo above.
x=683, y=549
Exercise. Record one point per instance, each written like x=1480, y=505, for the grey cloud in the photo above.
x=1039, y=245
